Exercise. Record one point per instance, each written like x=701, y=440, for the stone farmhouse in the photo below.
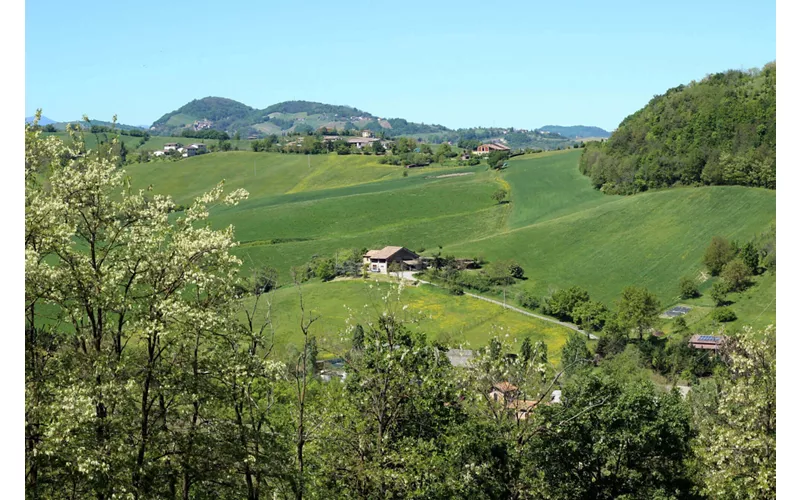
x=378, y=261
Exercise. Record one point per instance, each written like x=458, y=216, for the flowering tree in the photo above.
x=128, y=310
x=738, y=421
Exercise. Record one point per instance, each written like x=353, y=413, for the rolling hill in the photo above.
x=561, y=230
x=306, y=116
x=576, y=131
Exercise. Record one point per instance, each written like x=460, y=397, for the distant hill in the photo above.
x=221, y=112
x=82, y=124
x=720, y=130
x=43, y=121
x=307, y=116
x=576, y=131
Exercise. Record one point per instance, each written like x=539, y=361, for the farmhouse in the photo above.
x=485, y=149
x=378, y=261
x=200, y=148
x=172, y=146
x=360, y=142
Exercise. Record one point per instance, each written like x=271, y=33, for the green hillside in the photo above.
x=219, y=110
x=720, y=130
x=561, y=230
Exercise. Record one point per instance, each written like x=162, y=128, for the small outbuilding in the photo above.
x=709, y=342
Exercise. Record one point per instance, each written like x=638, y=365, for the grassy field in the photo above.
x=561, y=230
x=443, y=317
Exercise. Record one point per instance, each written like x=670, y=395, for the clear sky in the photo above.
x=523, y=64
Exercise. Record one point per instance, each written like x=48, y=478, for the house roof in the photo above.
x=387, y=252
x=505, y=386
x=706, y=341
x=495, y=146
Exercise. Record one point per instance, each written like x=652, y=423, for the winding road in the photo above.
x=409, y=275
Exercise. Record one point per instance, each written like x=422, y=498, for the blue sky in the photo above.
x=521, y=64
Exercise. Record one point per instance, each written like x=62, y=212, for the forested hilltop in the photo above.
x=720, y=130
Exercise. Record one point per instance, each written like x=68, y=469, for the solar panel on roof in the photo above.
x=708, y=338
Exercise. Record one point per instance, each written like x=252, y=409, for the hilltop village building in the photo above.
x=378, y=261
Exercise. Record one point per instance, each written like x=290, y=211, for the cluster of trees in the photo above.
x=150, y=375
x=206, y=134
x=347, y=262
x=735, y=264
x=720, y=130
x=495, y=277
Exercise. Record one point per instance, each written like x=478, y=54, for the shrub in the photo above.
x=688, y=288
x=527, y=300
x=456, y=289
x=723, y=315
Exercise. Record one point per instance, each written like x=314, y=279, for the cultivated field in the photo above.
x=557, y=227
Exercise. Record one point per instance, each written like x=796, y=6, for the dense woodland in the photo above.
x=720, y=130
x=152, y=372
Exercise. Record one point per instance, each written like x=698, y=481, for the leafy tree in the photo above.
x=497, y=158
x=638, y=309
x=680, y=325
x=265, y=280
x=719, y=291
x=325, y=269
x=736, y=275
x=562, y=303
x=575, y=355
x=688, y=287
x=377, y=148
x=627, y=440
x=718, y=253
x=500, y=195
x=590, y=315
x=750, y=257
x=138, y=311
x=737, y=441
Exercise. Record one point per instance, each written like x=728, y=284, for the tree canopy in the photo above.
x=720, y=130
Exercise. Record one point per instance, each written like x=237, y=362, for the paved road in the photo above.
x=409, y=275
